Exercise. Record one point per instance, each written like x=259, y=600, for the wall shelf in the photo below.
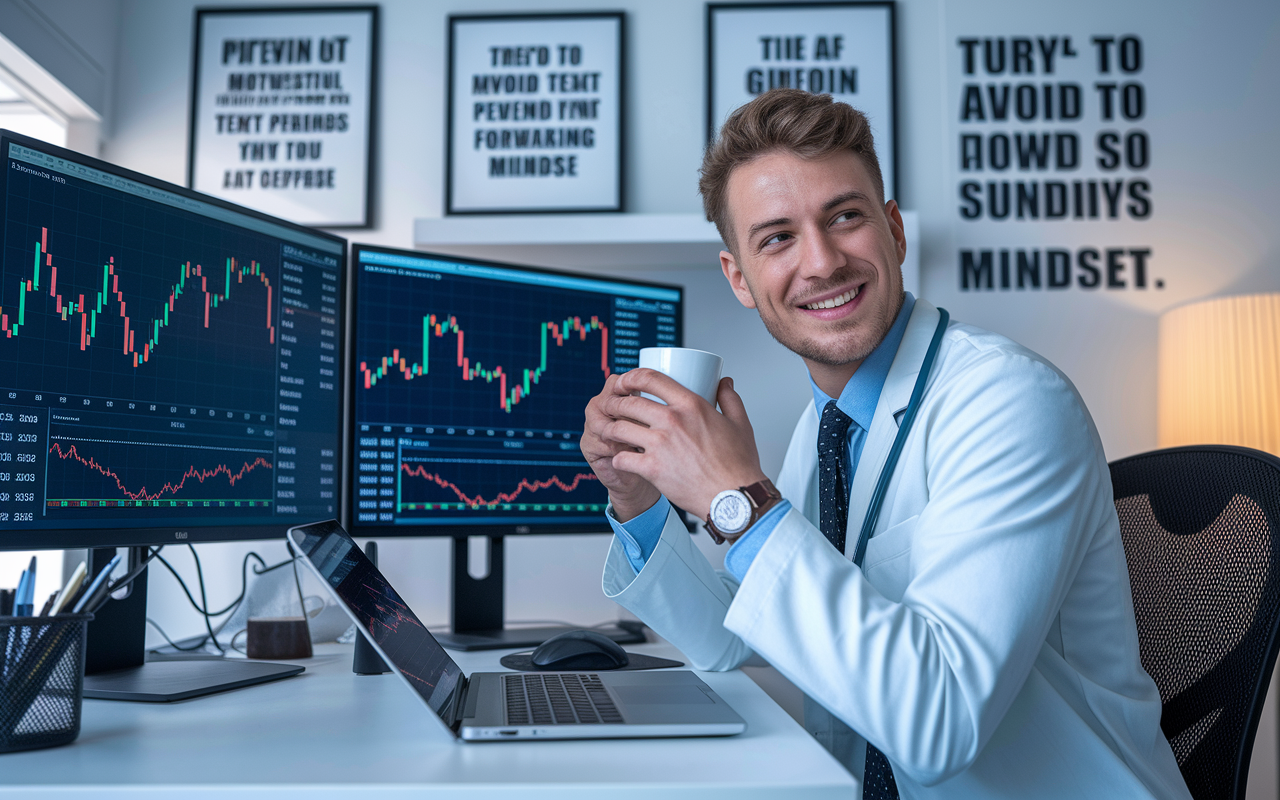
x=576, y=241
x=605, y=242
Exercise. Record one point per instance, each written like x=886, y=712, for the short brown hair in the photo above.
x=809, y=125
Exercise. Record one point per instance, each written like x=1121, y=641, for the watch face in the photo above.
x=730, y=511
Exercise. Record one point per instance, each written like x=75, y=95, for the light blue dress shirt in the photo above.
x=858, y=399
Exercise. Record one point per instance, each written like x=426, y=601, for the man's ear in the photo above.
x=895, y=227
x=737, y=281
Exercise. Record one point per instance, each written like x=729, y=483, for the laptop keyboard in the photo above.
x=558, y=699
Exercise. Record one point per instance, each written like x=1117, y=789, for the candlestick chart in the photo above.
x=188, y=333
x=521, y=381
x=448, y=354
x=109, y=294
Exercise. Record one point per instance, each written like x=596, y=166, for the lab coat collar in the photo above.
x=884, y=425
x=862, y=392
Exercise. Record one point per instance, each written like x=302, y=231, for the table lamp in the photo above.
x=1219, y=373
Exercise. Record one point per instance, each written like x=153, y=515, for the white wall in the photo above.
x=1224, y=56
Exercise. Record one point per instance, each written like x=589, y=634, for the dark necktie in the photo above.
x=834, y=474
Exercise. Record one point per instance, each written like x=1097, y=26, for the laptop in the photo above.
x=494, y=706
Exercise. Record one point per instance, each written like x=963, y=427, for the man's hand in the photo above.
x=685, y=449
x=630, y=494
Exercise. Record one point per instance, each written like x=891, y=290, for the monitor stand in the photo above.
x=115, y=653
x=477, y=608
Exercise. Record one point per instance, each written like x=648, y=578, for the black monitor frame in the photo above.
x=115, y=652
x=476, y=617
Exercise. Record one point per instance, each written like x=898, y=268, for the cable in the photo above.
x=632, y=625
x=203, y=609
x=183, y=584
x=173, y=644
x=129, y=577
x=244, y=580
x=204, y=600
x=302, y=604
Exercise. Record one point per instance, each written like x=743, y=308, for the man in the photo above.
x=984, y=644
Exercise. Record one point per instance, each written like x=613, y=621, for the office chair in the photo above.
x=1201, y=530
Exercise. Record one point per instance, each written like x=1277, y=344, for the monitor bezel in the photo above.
x=456, y=531
x=75, y=538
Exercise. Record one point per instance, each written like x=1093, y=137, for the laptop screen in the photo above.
x=381, y=613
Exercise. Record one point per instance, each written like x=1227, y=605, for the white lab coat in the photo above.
x=987, y=646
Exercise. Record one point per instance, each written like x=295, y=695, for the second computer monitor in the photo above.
x=470, y=381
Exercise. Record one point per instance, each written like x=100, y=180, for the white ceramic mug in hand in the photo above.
x=696, y=370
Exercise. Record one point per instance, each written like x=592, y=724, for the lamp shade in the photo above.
x=1219, y=373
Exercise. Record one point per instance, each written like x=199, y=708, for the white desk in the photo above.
x=329, y=733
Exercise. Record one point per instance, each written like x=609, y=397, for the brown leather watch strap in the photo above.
x=763, y=496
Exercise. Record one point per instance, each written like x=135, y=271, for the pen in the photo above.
x=99, y=583
x=30, y=602
x=68, y=591
x=48, y=604
x=20, y=595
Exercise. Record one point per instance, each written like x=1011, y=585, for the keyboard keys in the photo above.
x=558, y=699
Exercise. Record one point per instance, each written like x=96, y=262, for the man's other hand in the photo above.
x=686, y=449
x=630, y=494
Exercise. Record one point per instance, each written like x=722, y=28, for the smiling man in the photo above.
x=978, y=638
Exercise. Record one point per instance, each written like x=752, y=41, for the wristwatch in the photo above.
x=734, y=511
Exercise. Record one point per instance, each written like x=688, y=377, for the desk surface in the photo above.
x=329, y=731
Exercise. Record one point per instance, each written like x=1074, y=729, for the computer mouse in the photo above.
x=579, y=650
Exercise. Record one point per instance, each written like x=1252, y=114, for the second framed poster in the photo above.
x=844, y=49
x=535, y=113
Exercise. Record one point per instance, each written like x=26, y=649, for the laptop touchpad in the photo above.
x=660, y=695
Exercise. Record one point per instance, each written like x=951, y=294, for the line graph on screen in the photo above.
x=100, y=473
x=464, y=484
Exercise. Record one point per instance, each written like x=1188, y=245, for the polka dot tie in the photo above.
x=877, y=781
x=833, y=474
x=833, y=509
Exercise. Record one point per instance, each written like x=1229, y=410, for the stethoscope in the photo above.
x=886, y=472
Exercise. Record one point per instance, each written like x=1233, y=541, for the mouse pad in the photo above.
x=523, y=662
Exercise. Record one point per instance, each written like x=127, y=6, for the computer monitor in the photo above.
x=170, y=369
x=469, y=381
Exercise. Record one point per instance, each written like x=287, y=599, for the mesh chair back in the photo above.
x=1201, y=530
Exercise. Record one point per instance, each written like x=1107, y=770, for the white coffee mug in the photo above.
x=696, y=370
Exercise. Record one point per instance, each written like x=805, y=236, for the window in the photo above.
x=20, y=115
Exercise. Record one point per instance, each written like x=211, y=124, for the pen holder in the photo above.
x=41, y=680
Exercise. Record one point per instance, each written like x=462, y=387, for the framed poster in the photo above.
x=845, y=49
x=282, y=111
x=535, y=113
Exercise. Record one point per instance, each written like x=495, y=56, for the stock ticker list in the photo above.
x=156, y=362
x=470, y=394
